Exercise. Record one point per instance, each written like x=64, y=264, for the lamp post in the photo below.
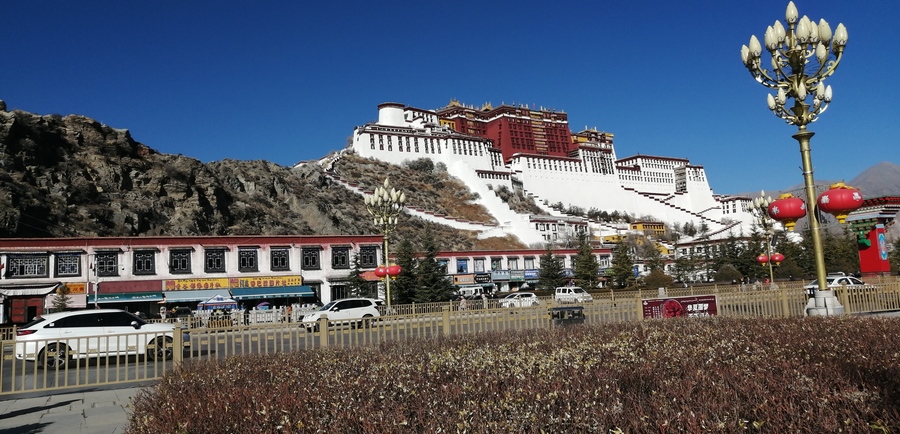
x=802, y=57
x=761, y=211
x=385, y=204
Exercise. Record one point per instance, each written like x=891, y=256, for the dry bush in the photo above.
x=721, y=375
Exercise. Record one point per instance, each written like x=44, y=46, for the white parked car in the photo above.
x=572, y=294
x=353, y=311
x=836, y=281
x=519, y=299
x=54, y=339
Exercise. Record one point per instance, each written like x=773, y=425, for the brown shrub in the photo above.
x=836, y=374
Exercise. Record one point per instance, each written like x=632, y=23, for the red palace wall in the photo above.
x=873, y=259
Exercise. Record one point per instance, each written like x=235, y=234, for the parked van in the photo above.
x=571, y=294
x=470, y=292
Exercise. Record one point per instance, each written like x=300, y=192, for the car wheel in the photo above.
x=367, y=321
x=160, y=348
x=54, y=356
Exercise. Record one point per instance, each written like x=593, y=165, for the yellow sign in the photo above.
x=189, y=284
x=266, y=282
x=75, y=288
x=232, y=282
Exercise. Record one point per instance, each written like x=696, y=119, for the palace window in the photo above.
x=462, y=265
x=180, y=261
x=68, y=264
x=340, y=257
x=513, y=263
x=310, y=258
x=214, y=260
x=529, y=263
x=107, y=264
x=368, y=257
x=479, y=265
x=281, y=259
x=496, y=264
x=248, y=259
x=144, y=262
x=27, y=266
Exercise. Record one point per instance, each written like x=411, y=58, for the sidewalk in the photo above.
x=86, y=411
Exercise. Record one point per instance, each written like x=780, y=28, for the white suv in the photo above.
x=572, y=294
x=519, y=299
x=353, y=311
x=54, y=339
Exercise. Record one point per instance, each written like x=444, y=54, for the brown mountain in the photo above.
x=882, y=179
x=73, y=176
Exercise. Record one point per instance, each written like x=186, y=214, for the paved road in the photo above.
x=92, y=411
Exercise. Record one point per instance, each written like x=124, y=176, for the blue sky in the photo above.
x=287, y=81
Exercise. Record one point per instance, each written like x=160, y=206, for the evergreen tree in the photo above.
x=357, y=286
x=586, y=267
x=684, y=268
x=61, y=298
x=652, y=256
x=433, y=284
x=551, y=270
x=403, y=289
x=622, y=269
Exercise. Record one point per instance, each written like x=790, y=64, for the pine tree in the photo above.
x=357, y=285
x=551, y=270
x=433, y=284
x=652, y=256
x=586, y=267
x=622, y=269
x=61, y=298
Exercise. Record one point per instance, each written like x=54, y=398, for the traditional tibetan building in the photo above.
x=535, y=150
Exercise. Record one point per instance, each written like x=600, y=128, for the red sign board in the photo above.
x=692, y=306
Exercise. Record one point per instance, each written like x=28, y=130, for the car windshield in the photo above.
x=328, y=306
x=577, y=290
x=511, y=296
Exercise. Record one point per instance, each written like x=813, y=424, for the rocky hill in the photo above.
x=73, y=176
x=882, y=179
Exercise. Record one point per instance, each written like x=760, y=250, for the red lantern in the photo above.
x=840, y=200
x=762, y=259
x=787, y=209
x=777, y=258
x=381, y=271
x=394, y=271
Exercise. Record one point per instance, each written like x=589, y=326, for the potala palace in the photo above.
x=535, y=150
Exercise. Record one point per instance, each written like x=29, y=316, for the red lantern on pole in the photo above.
x=381, y=271
x=840, y=200
x=762, y=259
x=394, y=271
x=787, y=209
x=777, y=258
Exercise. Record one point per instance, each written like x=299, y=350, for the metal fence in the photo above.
x=124, y=358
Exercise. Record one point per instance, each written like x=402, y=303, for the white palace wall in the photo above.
x=649, y=188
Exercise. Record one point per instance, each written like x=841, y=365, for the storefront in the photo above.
x=22, y=303
x=130, y=295
x=276, y=296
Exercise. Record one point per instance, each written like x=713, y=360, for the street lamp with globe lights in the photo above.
x=802, y=55
x=385, y=204
x=760, y=210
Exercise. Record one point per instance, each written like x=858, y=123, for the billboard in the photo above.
x=672, y=307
